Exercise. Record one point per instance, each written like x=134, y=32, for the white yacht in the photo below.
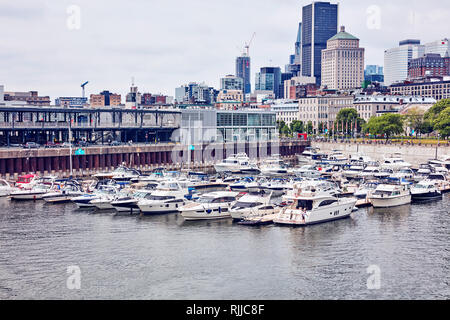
x=121, y=173
x=168, y=197
x=310, y=205
x=384, y=173
x=69, y=190
x=273, y=166
x=390, y=195
x=36, y=192
x=236, y=163
x=307, y=171
x=127, y=201
x=425, y=190
x=214, y=205
x=370, y=171
x=5, y=188
x=251, y=205
x=336, y=158
x=353, y=171
x=395, y=162
x=403, y=174
x=441, y=181
x=84, y=201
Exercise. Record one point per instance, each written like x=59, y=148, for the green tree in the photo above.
x=309, y=127
x=348, y=116
x=442, y=123
x=415, y=120
x=388, y=124
x=280, y=125
x=297, y=126
x=285, y=130
x=435, y=110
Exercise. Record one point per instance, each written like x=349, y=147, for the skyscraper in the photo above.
x=439, y=47
x=343, y=62
x=269, y=79
x=243, y=71
x=319, y=23
x=396, y=60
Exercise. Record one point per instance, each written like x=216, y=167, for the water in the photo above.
x=163, y=257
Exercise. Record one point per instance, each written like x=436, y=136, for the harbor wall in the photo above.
x=414, y=154
x=145, y=157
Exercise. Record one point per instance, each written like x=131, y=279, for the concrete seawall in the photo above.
x=15, y=161
x=413, y=154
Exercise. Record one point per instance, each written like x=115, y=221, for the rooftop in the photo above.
x=342, y=35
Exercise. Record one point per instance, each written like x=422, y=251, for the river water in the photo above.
x=163, y=257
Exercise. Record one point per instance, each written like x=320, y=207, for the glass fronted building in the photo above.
x=209, y=125
x=269, y=79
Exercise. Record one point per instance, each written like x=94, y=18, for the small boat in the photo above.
x=425, y=190
x=236, y=163
x=209, y=206
x=84, y=201
x=274, y=166
x=5, y=188
x=36, y=192
x=390, y=195
x=69, y=190
x=395, y=162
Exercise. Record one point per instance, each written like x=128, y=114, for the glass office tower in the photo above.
x=243, y=71
x=319, y=23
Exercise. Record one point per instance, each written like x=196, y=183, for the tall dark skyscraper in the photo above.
x=243, y=71
x=319, y=23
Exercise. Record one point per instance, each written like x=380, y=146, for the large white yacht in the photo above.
x=168, y=197
x=309, y=204
x=237, y=163
x=390, y=195
x=214, y=205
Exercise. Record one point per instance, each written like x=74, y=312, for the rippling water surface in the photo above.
x=163, y=257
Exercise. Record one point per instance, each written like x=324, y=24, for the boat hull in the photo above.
x=390, y=202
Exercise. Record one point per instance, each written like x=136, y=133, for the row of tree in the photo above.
x=348, y=121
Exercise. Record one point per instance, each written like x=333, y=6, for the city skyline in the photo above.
x=192, y=46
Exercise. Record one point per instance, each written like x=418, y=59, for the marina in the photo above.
x=158, y=224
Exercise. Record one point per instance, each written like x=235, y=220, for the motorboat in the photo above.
x=236, y=163
x=168, y=197
x=307, y=171
x=423, y=172
x=425, y=190
x=85, y=200
x=370, y=171
x=127, y=201
x=353, y=172
x=5, y=188
x=65, y=193
x=336, y=158
x=390, y=195
x=403, y=174
x=252, y=205
x=395, y=162
x=242, y=185
x=309, y=204
x=121, y=173
x=441, y=181
x=273, y=166
x=214, y=205
x=384, y=173
x=36, y=192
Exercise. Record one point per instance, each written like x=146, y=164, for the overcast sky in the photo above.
x=166, y=43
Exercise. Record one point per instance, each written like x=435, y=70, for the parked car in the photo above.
x=66, y=145
x=50, y=144
x=31, y=145
x=115, y=143
x=82, y=144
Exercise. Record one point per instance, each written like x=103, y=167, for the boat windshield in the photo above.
x=302, y=205
x=152, y=197
x=243, y=205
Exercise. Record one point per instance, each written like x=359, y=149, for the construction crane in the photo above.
x=247, y=45
x=83, y=85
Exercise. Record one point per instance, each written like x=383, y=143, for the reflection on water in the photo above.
x=165, y=257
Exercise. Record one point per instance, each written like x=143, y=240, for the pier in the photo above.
x=56, y=161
